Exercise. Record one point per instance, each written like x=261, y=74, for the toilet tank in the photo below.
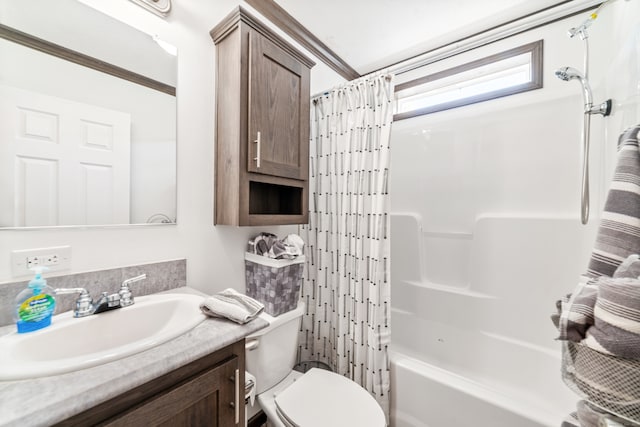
x=271, y=352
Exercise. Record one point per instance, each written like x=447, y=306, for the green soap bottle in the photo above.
x=34, y=306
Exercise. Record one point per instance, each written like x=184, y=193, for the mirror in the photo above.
x=88, y=113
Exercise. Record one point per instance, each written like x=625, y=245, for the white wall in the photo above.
x=214, y=254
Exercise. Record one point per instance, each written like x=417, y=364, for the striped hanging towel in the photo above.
x=619, y=232
x=616, y=327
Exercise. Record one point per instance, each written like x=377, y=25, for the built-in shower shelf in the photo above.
x=446, y=258
x=437, y=256
x=449, y=234
x=466, y=291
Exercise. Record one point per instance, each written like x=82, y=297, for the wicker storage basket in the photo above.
x=274, y=282
x=608, y=382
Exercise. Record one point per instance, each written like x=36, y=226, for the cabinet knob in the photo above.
x=257, y=158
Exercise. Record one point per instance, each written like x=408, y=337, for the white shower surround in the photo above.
x=486, y=233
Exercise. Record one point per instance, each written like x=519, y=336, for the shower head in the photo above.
x=569, y=73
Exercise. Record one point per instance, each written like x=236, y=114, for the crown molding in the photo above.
x=287, y=23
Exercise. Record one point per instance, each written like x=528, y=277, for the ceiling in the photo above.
x=373, y=34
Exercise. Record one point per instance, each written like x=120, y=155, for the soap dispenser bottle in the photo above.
x=35, y=305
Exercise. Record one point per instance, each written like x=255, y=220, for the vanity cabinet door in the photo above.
x=208, y=399
x=278, y=111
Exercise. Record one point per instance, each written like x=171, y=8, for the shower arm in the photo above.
x=581, y=31
x=585, y=39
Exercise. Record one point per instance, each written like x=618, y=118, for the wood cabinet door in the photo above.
x=278, y=111
x=209, y=399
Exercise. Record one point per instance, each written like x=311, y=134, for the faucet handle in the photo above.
x=126, y=297
x=84, y=303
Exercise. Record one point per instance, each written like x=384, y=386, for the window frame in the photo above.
x=534, y=48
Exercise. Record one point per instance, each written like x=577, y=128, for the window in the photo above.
x=506, y=73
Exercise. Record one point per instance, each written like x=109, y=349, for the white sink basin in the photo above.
x=70, y=344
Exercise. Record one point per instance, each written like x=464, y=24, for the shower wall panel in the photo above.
x=486, y=231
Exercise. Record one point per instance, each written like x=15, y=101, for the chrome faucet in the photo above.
x=86, y=307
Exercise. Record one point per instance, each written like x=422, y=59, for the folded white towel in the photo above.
x=249, y=387
x=233, y=305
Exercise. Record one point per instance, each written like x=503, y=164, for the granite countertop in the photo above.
x=47, y=400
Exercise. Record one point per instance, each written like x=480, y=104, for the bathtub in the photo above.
x=440, y=394
x=472, y=344
x=427, y=396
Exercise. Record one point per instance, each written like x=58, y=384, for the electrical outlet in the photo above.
x=33, y=261
x=55, y=259
x=47, y=260
x=51, y=259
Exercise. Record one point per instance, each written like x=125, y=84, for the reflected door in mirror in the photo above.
x=64, y=162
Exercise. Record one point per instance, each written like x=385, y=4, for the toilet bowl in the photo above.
x=293, y=399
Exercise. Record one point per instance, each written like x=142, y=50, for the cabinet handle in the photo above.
x=257, y=158
x=236, y=404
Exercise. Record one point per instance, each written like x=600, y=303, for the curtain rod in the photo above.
x=387, y=77
x=526, y=23
x=511, y=28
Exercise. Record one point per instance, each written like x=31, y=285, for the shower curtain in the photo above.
x=346, y=286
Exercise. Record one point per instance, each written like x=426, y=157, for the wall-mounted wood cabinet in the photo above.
x=262, y=125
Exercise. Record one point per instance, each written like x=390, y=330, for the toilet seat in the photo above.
x=322, y=398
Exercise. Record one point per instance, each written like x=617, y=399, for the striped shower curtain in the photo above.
x=346, y=286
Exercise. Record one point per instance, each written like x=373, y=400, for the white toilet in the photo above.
x=289, y=398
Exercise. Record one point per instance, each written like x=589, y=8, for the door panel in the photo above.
x=62, y=162
x=278, y=88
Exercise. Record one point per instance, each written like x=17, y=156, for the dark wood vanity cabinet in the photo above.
x=262, y=125
x=207, y=392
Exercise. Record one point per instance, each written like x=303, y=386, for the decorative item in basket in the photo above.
x=268, y=245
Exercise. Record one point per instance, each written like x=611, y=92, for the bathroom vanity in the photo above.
x=203, y=392
x=194, y=379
